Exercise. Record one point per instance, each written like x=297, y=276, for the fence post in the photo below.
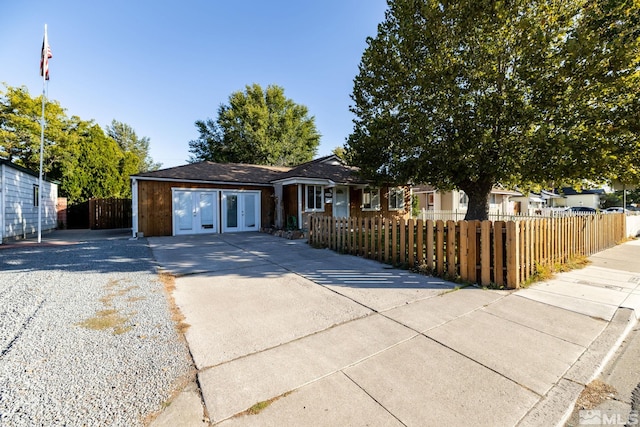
x=429, y=245
x=463, y=255
x=451, y=248
x=498, y=253
x=411, y=242
x=472, y=251
x=440, y=247
x=420, y=242
x=513, y=255
x=485, y=253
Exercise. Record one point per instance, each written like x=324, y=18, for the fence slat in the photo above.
x=440, y=247
x=485, y=253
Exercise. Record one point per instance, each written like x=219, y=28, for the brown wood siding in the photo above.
x=290, y=202
x=155, y=204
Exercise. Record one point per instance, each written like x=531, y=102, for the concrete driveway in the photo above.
x=318, y=338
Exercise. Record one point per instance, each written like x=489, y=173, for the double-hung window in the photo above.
x=371, y=199
x=463, y=203
x=396, y=199
x=314, y=201
x=36, y=195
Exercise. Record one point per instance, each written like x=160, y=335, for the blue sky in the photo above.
x=160, y=66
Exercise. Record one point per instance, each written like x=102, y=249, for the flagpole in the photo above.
x=42, y=124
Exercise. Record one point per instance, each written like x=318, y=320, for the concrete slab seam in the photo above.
x=532, y=328
x=482, y=364
x=373, y=398
x=321, y=377
x=244, y=356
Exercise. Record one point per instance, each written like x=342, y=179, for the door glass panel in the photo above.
x=249, y=210
x=184, y=211
x=206, y=210
x=232, y=211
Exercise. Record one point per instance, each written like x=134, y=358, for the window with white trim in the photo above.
x=370, y=199
x=396, y=198
x=314, y=202
x=464, y=200
x=36, y=195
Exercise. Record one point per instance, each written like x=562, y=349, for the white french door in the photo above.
x=341, y=202
x=240, y=211
x=195, y=211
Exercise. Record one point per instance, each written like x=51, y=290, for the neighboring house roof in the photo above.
x=570, y=191
x=217, y=172
x=495, y=190
x=328, y=168
x=550, y=195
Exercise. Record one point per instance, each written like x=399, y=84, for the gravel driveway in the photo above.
x=86, y=336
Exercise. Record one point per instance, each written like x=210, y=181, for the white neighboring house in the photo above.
x=19, y=192
x=457, y=202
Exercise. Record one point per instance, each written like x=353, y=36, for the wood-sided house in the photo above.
x=20, y=195
x=209, y=197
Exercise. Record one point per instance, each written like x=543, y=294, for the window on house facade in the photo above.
x=464, y=200
x=314, y=198
x=370, y=199
x=36, y=195
x=396, y=199
x=492, y=199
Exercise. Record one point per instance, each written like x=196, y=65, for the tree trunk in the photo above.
x=478, y=193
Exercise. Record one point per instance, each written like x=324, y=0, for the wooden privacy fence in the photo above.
x=109, y=213
x=504, y=253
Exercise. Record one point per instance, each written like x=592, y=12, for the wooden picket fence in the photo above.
x=502, y=253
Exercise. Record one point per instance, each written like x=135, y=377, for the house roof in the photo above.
x=329, y=168
x=25, y=170
x=218, y=172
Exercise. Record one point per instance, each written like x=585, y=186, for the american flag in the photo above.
x=46, y=54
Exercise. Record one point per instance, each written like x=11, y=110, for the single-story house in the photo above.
x=587, y=198
x=536, y=203
x=431, y=199
x=20, y=195
x=208, y=197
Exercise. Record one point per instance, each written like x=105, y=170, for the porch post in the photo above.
x=134, y=207
x=300, y=205
x=279, y=213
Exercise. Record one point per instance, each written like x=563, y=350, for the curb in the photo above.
x=555, y=408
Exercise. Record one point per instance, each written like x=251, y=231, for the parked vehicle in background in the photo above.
x=581, y=210
x=615, y=209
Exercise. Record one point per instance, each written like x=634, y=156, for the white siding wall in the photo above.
x=16, y=203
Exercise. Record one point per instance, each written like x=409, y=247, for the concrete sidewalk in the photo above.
x=284, y=334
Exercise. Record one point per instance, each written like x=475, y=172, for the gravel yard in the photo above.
x=86, y=336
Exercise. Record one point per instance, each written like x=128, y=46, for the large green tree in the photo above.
x=126, y=138
x=77, y=153
x=257, y=126
x=468, y=94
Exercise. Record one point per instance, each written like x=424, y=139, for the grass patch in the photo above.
x=594, y=394
x=168, y=280
x=547, y=272
x=107, y=319
x=261, y=406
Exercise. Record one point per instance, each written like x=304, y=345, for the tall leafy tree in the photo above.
x=20, y=129
x=126, y=138
x=86, y=161
x=471, y=93
x=260, y=127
